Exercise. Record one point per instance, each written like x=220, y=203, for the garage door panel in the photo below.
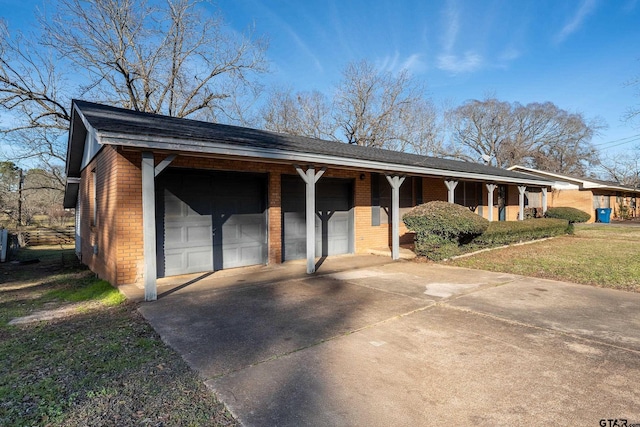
x=187, y=240
x=199, y=233
x=211, y=220
x=187, y=260
x=244, y=240
x=333, y=221
x=294, y=235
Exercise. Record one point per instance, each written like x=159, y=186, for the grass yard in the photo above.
x=99, y=363
x=601, y=255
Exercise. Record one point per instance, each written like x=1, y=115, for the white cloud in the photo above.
x=469, y=62
x=448, y=59
x=414, y=63
x=452, y=21
x=304, y=47
x=576, y=21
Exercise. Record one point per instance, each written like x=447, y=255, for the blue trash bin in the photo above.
x=603, y=215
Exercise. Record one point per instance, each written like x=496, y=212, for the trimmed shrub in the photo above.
x=442, y=227
x=572, y=215
x=504, y=233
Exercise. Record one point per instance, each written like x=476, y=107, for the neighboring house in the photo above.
x=587, y=194
x=160, y=196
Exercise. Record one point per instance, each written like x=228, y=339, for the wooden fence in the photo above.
x=47, y=236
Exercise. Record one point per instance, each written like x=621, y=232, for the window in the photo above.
x=94, y=198
x=381, y=197
x=533, y=198
x=600, y=201
x=468, y=194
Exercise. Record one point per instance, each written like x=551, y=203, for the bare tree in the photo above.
x=481, y=130
x=9, y=186
x=538, y=135
x=24, y=194
x=633, y=112
x=369, y=107
x=301, y=113
x=379, y=109
x=623, y=167
x=168, y=59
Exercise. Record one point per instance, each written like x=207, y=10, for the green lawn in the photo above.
x=99, y=364
x=600, y=255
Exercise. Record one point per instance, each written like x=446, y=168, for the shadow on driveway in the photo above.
x=404, y=344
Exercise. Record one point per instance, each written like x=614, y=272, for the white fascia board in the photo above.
x=91, y=141
x=595, y=186
x=91, y=148
x=584, y=183
x=555, y=176
x=563, y=185
x=183, y=145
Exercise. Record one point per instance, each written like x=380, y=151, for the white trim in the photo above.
x=149, y=226
x=565, y=180
x=395, y=182
x=228, y=149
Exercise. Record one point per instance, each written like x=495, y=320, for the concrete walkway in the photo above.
x=372, y=342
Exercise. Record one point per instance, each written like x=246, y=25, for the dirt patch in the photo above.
x=60, y=312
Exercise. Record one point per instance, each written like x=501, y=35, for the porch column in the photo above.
x=451, y=186
x=521, y=190
x=544, y=200
x=395, y=181
x=149, y=226
x=310, y=177
x=490, y=189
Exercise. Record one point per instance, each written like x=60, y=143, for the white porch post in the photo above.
x=395, y=182
x=544, y=200
x=149, y=226
x=521, y=190
x=490, y=189
x=451, y=186
x=310, y=177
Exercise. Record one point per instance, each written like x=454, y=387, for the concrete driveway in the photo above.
x=372, y=342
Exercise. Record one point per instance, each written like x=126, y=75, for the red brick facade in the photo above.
x=113, y=245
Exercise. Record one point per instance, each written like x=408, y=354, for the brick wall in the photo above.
x=118, y=231
x=99, y=238
x=578, y=199
x=130, y=249
x=434, y=189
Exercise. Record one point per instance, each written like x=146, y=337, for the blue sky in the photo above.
x=577, y=54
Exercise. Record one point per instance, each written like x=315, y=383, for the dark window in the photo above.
x=381, y=198
x=375, y=199
x=94, y=198
x=417, y=189
x=468, y=194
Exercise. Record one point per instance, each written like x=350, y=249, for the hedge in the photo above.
x=442, y=227
x=570, y=214
x=504, y=233
x=447, y=220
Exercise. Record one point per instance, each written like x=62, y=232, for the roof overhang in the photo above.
x=75, y=145
x=584, y=183
x=179, y=145
x=72, y=187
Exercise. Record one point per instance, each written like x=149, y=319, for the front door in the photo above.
x=502, y=203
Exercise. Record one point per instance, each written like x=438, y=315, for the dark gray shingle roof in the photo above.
x=114, y=120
